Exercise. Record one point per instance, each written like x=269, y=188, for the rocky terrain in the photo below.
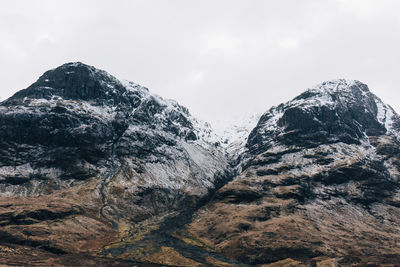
x=84, y=152
x=98, y=171
x=319, y=178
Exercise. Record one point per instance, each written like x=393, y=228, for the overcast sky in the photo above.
x=221, y=59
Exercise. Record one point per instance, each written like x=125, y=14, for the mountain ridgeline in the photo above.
x=94, y=170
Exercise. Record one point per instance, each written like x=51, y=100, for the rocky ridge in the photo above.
x=104, y=170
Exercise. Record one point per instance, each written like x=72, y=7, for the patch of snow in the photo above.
x=233, y=138
x=385, y=114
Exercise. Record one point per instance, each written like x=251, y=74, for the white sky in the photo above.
x=221, y=59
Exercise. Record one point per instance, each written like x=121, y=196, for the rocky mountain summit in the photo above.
x=94, y=170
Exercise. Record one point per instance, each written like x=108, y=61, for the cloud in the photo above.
x=222, y=59
x=44, y=38
x=370, y=10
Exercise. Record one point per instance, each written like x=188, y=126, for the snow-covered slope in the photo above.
x=234, y=136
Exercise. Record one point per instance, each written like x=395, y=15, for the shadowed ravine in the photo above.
x=166, y=235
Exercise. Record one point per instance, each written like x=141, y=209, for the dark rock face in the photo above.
x=329, y=136
x=77, y=81
x=333, y=112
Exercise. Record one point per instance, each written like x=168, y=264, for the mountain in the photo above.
x=318, y=178
x=87, y=150
x=98, y=171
